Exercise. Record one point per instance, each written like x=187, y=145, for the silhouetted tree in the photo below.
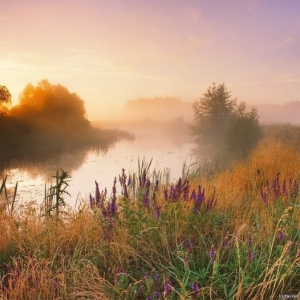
x=52, y=108
x=220, y=124
x=5, y=98
x=212, y=113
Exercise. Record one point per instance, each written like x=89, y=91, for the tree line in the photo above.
x=47, y=117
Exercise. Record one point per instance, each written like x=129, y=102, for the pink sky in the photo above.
x=109, y=51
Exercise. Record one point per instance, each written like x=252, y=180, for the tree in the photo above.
x=221, y=124
x=244, y=130
x=212, y=113
x=5, y=98
x=51, y=107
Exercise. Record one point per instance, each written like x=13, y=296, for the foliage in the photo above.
x=49, y=118
x=48, y=106
x=244, y=130
x=220, y=124
x=5, y=98
x=212, y=114
x=54, y=200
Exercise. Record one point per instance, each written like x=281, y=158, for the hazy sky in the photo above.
x=109, y=51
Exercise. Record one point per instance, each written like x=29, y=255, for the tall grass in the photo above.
x=234, y=235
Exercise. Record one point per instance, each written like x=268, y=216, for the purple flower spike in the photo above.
x=195, y=287
x=281, y=235
x=168, y=288
x=156, y=295
x=250, y=255
x=212, y=253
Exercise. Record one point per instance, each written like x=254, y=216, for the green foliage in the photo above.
x=222, y=125
x=212, y=114
x=54, y=198
x=244, y=131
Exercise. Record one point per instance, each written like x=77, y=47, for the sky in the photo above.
x=109, y=51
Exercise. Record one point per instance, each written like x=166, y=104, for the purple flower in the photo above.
x=250, y=255
x=157, y=211
x=195, y=287
x=264, y=196
x=97, y=194
x=225, y=243
x=168, y=288
x=156, y=277
x=156, y=294
x=281, y=235
x=92, y=202
x=212, y=253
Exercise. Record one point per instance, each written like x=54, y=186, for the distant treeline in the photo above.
x=158, y=108
x=168, y=108
x=48, y=117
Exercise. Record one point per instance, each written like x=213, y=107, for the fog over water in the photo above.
x=168, y=153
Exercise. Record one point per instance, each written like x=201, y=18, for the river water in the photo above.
x=86, y=166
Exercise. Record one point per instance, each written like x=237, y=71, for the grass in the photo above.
x=233, y=235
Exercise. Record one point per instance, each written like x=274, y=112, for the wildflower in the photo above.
x=193, y=195
x=92, y=202
x=156, y=294
x=157, y=211
x=186, y=189
x=250, y=255
x=156, y=277
x=281, y=235
x=122, y=178
x=195, y=289
x=97, y=194
x=148, y=297
x=225, y=243
x=263, y=196
x=168, y=287
x=212, y=253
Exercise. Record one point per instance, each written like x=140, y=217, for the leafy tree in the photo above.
x=221, y=124
x=5, y=98
x=244, y=130
x=212, y=113
x=51, y=107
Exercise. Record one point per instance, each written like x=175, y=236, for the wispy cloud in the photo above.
x=156, y=29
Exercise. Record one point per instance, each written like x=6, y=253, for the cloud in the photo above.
x=155, y=29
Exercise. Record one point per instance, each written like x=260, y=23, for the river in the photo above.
x=87, y=166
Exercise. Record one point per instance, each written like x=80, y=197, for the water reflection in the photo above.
x=87, y=164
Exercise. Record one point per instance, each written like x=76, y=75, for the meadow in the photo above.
x=218, y=232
